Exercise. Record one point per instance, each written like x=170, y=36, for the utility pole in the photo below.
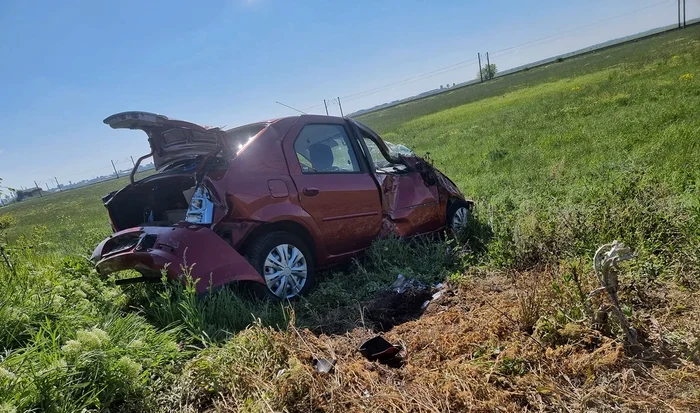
x=488, y=66
x=341, y=107
x=132, y=160
x=684, y=14
x=326, y=105
x=481, y=75
x=57, y=184
x=37, y=187
x=679, y=13
x=115, y=169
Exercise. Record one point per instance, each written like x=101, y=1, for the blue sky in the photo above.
x=225, y=62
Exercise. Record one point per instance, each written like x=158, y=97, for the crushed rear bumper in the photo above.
x=152, y=250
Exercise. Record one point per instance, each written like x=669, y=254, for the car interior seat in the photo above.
x=321, y=157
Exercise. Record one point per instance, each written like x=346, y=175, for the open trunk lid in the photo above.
x=172, y=140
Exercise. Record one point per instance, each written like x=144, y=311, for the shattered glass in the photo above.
x=396, y=150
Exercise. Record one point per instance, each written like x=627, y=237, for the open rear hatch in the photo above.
x=186, y=151
x=172, y=140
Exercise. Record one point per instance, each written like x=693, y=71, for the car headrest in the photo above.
x=321, y=157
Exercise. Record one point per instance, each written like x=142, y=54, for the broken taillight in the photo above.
x=201, y=210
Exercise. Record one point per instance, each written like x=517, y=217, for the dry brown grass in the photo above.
x=470, y=352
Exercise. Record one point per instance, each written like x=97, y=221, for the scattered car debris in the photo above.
x=404, y=300
x=378, y=349
x=399, y=303
x=402, y=284
x=438, y=294
x=441, y=288
x=324, y=366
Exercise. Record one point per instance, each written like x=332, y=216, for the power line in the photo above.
x=287, y=106
x=312, y=107
x=410, y=79
x=498, y=53
x=580, y=27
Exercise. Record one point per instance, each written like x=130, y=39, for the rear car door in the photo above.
x=334, y=183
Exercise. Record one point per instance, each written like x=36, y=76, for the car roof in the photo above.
x=274, y=120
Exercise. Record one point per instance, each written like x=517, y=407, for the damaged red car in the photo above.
x=268, y=204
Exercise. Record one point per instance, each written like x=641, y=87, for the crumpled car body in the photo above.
x=268, y=202
x=152, y=250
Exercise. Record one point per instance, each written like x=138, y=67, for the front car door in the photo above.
x=334, y=183
x=411, y=205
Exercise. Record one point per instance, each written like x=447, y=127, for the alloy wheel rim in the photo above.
x=285, y=271
x=459, y=220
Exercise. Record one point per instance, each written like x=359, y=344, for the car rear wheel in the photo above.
x=285, y=262
x=458, y=215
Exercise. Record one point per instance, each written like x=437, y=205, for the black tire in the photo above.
x=264, y=245
x=452, y=210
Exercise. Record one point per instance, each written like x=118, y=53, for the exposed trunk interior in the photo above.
x=160, y=201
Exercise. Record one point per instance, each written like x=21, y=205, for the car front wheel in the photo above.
x=458, y=216
x=285, y=262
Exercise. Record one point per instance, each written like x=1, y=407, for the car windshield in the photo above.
x=385, y=164
x=396, y=150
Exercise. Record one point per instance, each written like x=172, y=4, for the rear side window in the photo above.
x=325, y=148
x=243, y=134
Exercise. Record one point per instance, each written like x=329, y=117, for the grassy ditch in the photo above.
x=558, y=164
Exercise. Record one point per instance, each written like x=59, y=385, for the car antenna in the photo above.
x=280, y=103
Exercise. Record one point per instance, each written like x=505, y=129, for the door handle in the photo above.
x=310, y=191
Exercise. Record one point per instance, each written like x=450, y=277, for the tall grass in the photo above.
x=209, y=319
x=72, y=340
x=66, y=344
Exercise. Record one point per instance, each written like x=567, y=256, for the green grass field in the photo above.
x=73, y=219
x=560, y=160
x=637, y=53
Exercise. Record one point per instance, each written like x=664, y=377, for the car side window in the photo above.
x=325, y=148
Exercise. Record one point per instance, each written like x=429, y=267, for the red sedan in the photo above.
x=268, y=203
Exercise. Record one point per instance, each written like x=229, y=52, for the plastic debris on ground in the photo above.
x=378, y=349
x=324, y=365
x=402, y=284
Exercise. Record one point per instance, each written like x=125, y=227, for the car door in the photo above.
x=412, y=204
x=334, y=183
